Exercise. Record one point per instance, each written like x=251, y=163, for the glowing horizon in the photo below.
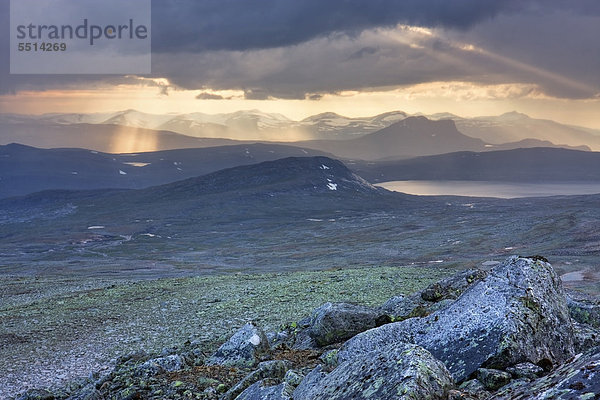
x=463, y=99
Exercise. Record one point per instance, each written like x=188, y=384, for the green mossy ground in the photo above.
x=56, y=329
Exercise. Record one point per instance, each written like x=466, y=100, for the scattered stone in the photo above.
x=37, y=394
x=407, y=371
x=392, y=303
x=525, y=370
x=473, y=324
x=134, y=356
x=162, y=364
x=260, y=391
x=310, y=380
x=578, y=379
x=243, y=349
x=585, y=337
x=493, y=379
x=221, y=388
x=412, y=306
x=293, y=377
x=400, y=308
x=490, y=263
x=266, y=370
x=518, y=312
x=474, y=389
x=434, y=298
x=87, y=393
x=336, y=322
x=275, y=338
x=452, y=287
x=330, y=359
x=584, y=308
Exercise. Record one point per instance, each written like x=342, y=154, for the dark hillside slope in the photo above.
x=518, y=165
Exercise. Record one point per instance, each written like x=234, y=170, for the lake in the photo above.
x=505, y=190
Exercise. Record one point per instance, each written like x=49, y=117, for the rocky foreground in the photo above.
x=508, y=333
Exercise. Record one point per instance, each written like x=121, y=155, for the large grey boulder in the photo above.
x=518, y=313
x=162, y=364
x=405, y=372
x=400, y=308
x=243, y=350
x=493, y=379
x=452, y=287
x=435, y=297
x=579, y=379
x=336, y=322
x=525, y=371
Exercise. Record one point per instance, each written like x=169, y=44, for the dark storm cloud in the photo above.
x=296, y=49
x=195, y=26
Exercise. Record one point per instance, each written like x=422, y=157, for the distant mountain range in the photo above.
x=254, y=125
x=416, y=136
x=25, y=169
x=514, y=126
x=406, y=138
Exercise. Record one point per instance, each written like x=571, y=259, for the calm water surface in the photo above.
x=506, y=190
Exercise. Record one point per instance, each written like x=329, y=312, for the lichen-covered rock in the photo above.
x=37, y=394
x=493, y=379
x=400, y=308
x=433, y=298
x=277, y=338
x=274, y=369
x=518, y=313
x=330, y=359
x=578, y=379
x=260, y=391
x=452, y=287
x=405, y=372
x=584, y=308
x=88, y=392
x=162, y=364
x=585, y=337
x=293, y=377
x=243, y=349
x=336, y=322
x=474, y=389
x=525, y=370
x=310, y=380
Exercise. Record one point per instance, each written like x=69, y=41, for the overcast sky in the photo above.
x=470, y=57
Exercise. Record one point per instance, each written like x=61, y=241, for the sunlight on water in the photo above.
x=505, y=190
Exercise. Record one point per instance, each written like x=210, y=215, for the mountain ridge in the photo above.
x=515, y=165
x=327, y=125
